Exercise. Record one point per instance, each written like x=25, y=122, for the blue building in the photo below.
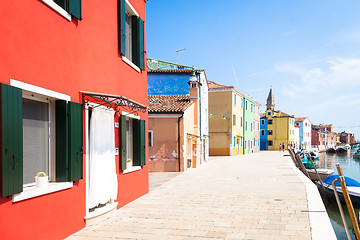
x=177, y=81
x=263, y=133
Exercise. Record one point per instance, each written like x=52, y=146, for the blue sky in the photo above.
x=307, y=50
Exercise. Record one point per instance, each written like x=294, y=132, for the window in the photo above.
x=235, y=99
x=241, y=141
x=151, y=138
x=262, y=132
x=234, y=119
x=132, y=141
x=270, y=132
x=241, y=121
x=36, y=135
x=270, y=122
x=245, y=125
x=242, y=102
x=258, y=126
x=251, y=126
x=45, y=135
x=262, y=122
x=131, y=39
x=269, y=113
x=234, y=140
x=251, y=106
x=270, y=143
x=246, y=103
x=72, y=7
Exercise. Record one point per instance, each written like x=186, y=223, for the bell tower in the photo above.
x=270, y=102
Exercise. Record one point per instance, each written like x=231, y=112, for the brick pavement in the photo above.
x=255, y=196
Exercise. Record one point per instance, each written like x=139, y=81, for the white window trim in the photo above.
x=131, y=64
x=152, y=138
x=58, y=9
x=31, y=192
x=39, y=90
x=130, y=115
x=131, y=169
x=130, y=8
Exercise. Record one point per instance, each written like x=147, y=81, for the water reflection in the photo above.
x=350, y=168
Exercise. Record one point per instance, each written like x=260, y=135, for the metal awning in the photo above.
x=115, y=102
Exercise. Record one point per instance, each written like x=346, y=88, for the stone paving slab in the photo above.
x=256, y=196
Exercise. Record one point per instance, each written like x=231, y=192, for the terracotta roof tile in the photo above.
x=300, y=119
x=216, y=85
x=168, y=103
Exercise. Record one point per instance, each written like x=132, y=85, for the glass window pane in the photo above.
x=35, y=139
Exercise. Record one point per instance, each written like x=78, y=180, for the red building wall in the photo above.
x=314, y=137
x=40, y=47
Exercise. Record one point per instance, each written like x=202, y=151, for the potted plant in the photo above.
x=128, y=163
x=41, y=179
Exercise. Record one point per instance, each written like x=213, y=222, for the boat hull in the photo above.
x=329, y=192
x=323, y=173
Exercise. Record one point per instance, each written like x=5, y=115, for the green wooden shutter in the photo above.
x=142, y=43
x=61, y=3
x=11, y=161
x=122, y=142
x=61, y=130
x=121, y=27
x=135, y=40
x=138, y=142
x=75, y=8
x=75, y=141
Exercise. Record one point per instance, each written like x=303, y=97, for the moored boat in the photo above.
x=314, y=155
x=341, y=150
x=330, y=150
x=357, y=154
x=323, y=173
x=353, y=188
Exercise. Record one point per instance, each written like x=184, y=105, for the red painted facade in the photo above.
x=40, y=47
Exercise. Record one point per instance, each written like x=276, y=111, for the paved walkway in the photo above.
x=258, y=196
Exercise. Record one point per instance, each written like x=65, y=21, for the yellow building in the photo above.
x=226, y=119
x=280, y=126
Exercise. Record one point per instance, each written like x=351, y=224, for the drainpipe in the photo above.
x=179, y=147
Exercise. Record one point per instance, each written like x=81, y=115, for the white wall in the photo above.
x=204, y=117
x=307, y=133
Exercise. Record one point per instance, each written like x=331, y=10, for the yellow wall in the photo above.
x=221, y=131
x=283, y=130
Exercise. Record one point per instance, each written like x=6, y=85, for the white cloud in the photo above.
x=335, y=73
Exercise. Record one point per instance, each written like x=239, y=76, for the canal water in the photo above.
x=350, y=168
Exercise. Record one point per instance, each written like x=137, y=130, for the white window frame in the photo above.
x=130, y=10
x=151, y=142
x=58, y=9
x=51, y=124
x=33, y=191
x=132, y=117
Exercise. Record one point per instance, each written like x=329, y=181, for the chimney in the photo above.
x=194, y=96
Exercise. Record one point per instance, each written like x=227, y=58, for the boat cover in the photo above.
x=349, y=181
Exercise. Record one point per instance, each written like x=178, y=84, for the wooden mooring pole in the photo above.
x=348, y=202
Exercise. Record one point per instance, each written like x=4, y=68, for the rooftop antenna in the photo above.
x=177, y=53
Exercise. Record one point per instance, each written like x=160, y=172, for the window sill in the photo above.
x=58, y=9
x=131, y=64
x=32, y=192
x=132, y=169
